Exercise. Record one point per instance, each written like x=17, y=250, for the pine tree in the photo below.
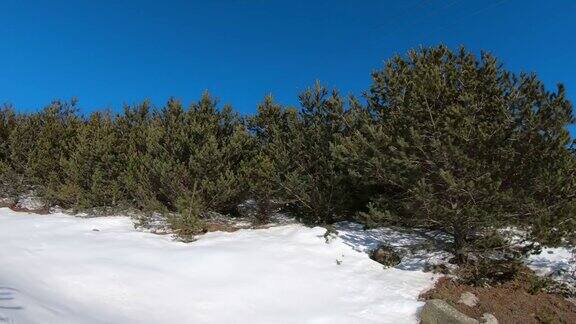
x=311, y=179
x=7, y=123
x=264, y=171
x=459, y=144
x=39, y=145
x=8, y=178
x=94, y=167
x=185, y=161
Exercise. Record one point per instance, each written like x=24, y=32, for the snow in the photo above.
x=61, y=269
x=30, y=202
x=417, y=248
x=558, y=263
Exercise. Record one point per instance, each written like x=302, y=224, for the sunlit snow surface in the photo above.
x=58, y=269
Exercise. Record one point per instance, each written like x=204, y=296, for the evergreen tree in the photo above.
x=312, y=180
x=185, y=161
x=41, y=143
x=8, y=177
x=94, y=167
x=7, y=124
x=133, y=127
x=462, y=145
x=264, y=172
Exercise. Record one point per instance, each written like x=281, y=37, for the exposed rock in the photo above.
x=468, y=299
x=386, y=255
x=437, y=311
x=488, y=318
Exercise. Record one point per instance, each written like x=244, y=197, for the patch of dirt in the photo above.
x=509, y=302
x=231, y=227
x=215, y=227
x=43, y=211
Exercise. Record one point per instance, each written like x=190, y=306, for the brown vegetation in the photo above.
x=511, y=302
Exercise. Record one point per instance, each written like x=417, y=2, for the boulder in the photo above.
x=437, y=311
x=488, y=318
x=386, y=256
x=468, y=299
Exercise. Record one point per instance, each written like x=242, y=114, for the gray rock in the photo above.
x=488, y=318
x=468, y=299
x=386, y=255
x=437, y=311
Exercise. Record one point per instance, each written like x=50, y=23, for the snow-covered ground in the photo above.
x=62, y=269
x=557, y=263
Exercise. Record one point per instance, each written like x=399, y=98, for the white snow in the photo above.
x=57, y=269
x=417, y=248
x=558, y=263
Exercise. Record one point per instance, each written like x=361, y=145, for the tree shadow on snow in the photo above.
x=416, y=247
x=556, y=267
x=7, y=300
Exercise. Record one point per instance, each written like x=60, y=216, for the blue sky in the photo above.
x=107, y=53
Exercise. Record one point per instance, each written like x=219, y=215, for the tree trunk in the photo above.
x=459, y=245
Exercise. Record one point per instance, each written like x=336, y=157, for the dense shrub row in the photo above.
x=445, y=140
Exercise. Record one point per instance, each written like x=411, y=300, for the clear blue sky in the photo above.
x=107, y=53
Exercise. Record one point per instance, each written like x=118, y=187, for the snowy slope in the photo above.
x=56, y=269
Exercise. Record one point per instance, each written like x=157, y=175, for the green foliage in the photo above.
x=171, y=155
x=39, y=144
x=446, y=141
x=7, y=124
x=295, y=158
x=265, y=171
x=94, y=167
x=8, y=178
x=457, y=143
x=315, y=181
x=187, y=223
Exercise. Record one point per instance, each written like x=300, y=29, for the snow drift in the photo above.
x=62, y=269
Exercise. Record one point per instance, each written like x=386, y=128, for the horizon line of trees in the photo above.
x=445, y=140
